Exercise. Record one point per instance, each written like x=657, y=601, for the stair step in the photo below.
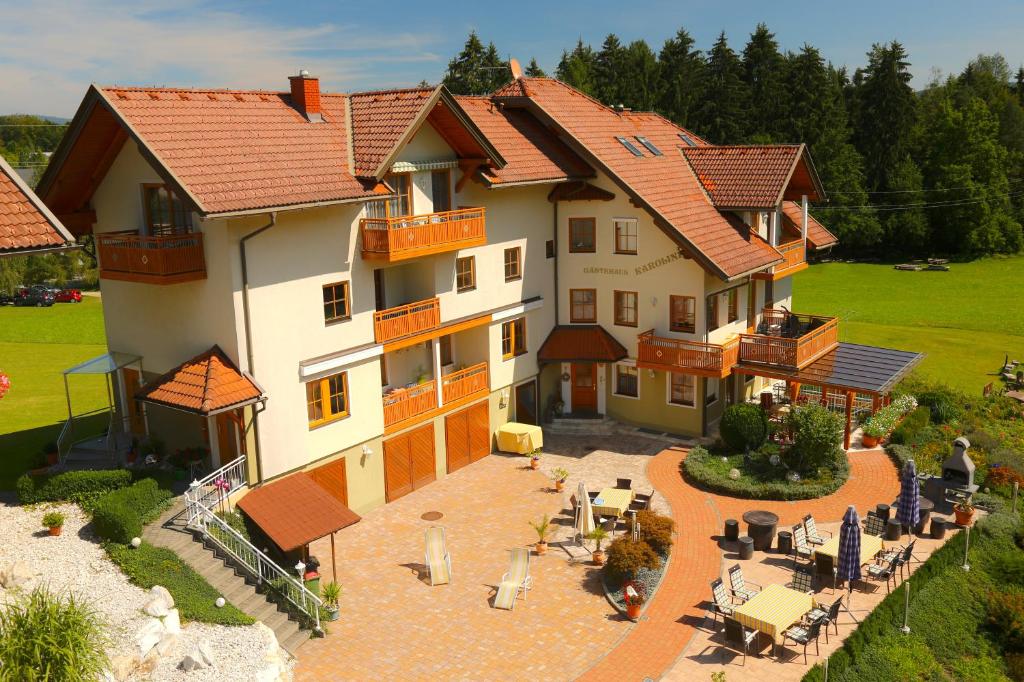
x=276, y=620
x=295, y=640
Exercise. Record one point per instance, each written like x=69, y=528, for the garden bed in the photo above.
x=758, y=479
x=649, y=578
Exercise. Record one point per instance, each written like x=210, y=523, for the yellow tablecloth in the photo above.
x=870, y=545
x=613, y=502
x=520, y=438
x=773, y=610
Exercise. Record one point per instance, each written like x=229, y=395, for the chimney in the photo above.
x=306, y=96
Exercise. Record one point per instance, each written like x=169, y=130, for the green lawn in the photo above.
x=966, y=320
x=36, y=344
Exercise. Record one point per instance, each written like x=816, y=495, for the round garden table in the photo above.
x=761, y=527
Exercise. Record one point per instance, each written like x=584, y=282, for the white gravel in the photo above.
x=75, y=561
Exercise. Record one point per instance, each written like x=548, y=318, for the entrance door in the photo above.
x=333, y=479
x=584, y=387
x=526, y=403
x=227, y=438
x=467, y=436
x=408, y=462
x=133, y=410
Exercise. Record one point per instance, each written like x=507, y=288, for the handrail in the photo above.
x=686, y=354
x=403, y=320
x=206, y=493
x=402, y=237
x=406, y=403
x=789, y=351
x=464, y=382
x=398, y=222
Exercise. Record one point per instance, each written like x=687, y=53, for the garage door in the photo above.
x=331, y=478
x=467, y=436
x=409, y=462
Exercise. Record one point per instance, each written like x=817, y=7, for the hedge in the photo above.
x=70, y=486
x=706, y=471
x=120, y=515
x=193, y=596
x=912, y=425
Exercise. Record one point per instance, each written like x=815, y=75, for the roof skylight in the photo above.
x=630, y=146
x=687, y=139
x=650, y=145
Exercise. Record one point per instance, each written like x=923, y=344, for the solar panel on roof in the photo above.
x=630, y=146
x=650, y=145
x=687, y=139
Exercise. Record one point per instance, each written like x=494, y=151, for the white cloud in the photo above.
x=52, y=50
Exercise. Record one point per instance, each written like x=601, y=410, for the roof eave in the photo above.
x=40, y=206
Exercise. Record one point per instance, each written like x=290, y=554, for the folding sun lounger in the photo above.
x=518, y=578
x=437, y=559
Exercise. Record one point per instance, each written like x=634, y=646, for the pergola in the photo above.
x=849, y=369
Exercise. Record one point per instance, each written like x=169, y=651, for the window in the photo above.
x=682, y=314
x=465, y=273
x=625, y=236
x=327, y=399
x=440, y=190
x=626, y=381
x=400, y=204
x=650, y=145
x=712, y=311
x=581, y=235
x=337, y=302
x=513, y=264
x=625, y=308
x=734, y=304
x=712, y=391
x=583, y=305
x=549, y=248
x=165, y=212
x=682, y=388
x=687, y=140
x=630, y=146
x=513, y=338
x=446, y=349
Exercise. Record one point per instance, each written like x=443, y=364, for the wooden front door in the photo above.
x=227, y=437
x=467, y=436
x=584, y=387
x=526, y=403
x=408, y=462
x=136, y=424
x=333, y=479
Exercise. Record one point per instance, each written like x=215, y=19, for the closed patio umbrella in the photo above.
x=908, y=509
x=848, y=561
x=584, y=512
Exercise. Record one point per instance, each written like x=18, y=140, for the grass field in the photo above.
x=966, y=320
x=36, y=344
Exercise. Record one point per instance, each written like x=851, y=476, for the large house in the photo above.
x=366, y=286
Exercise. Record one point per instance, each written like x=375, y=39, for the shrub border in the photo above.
x=724, y=487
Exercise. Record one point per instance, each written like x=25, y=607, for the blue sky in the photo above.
x=52, y=49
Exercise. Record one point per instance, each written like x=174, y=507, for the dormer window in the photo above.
x=165, y=213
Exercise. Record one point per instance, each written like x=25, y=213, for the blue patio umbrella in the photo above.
x=908, y=508
x=848, y=562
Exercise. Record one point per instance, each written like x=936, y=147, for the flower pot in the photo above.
x=542, y=548
x=869, y=441
x=599, y=557
x=963, y=518
x=534, y=463
x=559, y=486
x=333, y=613
x=633, y=611
x=52, y=458
x=55, y=530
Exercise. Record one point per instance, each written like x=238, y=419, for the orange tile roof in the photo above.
x=295, y=510
x=817, y=234
x=581, y=342
x=379, y=119
x=744, y=176
x=25, y=223
x=532, y=152
x=207, y=383
x=666, y=183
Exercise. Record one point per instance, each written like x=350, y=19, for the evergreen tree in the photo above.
x=466, y=74
x=682, y=72
x=609, y=71
x=906, y=230
x=533, y=70
x=577, y=68
x=763, y=74
x=722, y=116
x=641, y=84
x=495, y=71
x=808, y=98
x=1020, y=85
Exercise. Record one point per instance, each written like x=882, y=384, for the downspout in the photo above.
x=250, y=363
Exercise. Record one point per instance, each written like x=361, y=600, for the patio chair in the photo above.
x=813, y=535
x=740, y=589
x=827, y=616
x=874, y=525
x=623, y=483
x=436, y=557
x=515, y=580
x=738, y=636
x=801, y=634
x=803, y=580
x=642, y=501
x=905, y=556
x=720, y=602
x=801, y=550
x=885, y=572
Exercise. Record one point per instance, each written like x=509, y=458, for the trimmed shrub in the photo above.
x=817, y=438
x=626, y=557
x=914, y=422
x=120, y=515
x=70, y=485
x=744, y=427
x=759, y=479
x=943, y=403
x=655, y=530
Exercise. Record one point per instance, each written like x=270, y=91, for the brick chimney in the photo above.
x=306, y=96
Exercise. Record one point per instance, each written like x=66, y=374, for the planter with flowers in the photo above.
x=54, y=521
x=535, y=459
x=964, y=512
x=635, y=599
x=559, y=476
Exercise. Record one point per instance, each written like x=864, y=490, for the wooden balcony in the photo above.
x=403, y=404
x=161, y=259
x=405, y=320
x=464, y=383
x=795, y=255
x=401, y=238
x=686, y=357
x=791, y=340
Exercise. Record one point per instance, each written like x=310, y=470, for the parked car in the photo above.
x=6, y=298
x=33, y=296
x=68, y=296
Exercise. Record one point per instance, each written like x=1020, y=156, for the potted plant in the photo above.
x=544, y=530
x=52, y=453
x=872, y=434
x=964, y=511
x=330, y=593
x=558, y=476
x=634, y=599
x=598, y=535
x=54, y=521
x=535, y=459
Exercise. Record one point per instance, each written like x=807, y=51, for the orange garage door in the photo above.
x=467, y=436
x=331, y=478
x=409, y=462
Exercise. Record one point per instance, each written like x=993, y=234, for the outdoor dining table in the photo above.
x=773, y=610
x=826, y=556
x=613, y=502
x=519, y=438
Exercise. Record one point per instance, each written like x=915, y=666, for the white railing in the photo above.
x=200, y=500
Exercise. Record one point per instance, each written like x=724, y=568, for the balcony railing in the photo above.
x=464, y=383
x=399, y=238
x=406, y=403
x=688, y=357
x=404, y=320
x=789, y=340
x=795, y=254
x=159, y=259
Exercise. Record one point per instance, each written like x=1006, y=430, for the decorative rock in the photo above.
x=193, y=661
x=220, y=602
x=172, y=622
x=206, y=650
x=166, y=644
x=775, y=460
x=136, y=542
x=148, y=636
x=793, y=476
x=156, y=608
x=15, y=574
x=734, y=474
x=122, y=667
x=161, y=592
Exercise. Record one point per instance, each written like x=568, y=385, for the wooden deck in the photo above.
x=788, y=350
x=401, y=238
x=686, y=357
x=161, y=259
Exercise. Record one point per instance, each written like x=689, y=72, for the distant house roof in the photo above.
x=753, y=176
x=206, y=384
x=26, y=224
x=581, y=342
